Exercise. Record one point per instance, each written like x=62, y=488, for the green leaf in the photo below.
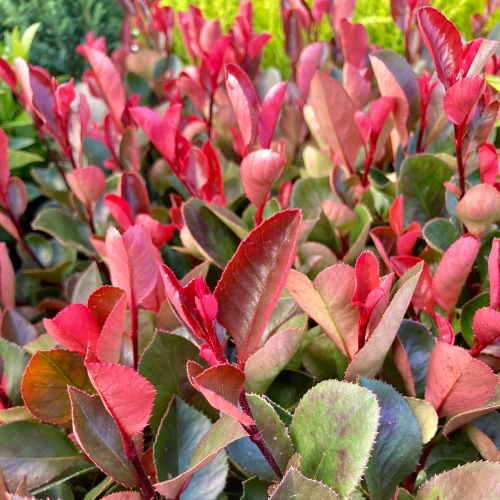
x=358, y=235
x=299, y=487
x=46, y=380
x=180, y=432
x=334, y=429
x=27, y=39
x=264, y=365
x=478, y=481
x=421, y=181
x=369, y=360
x=39, y=451
x=15, y=414
x=440, y=234
x=88, y=281
x=18, y=159
x=171, y=352
x=100, y=438
x=19, y=142
x=319, y=360
x=231, y=220
x=468, y=312
x=289, y=387
x=224, y=431
x=79, y=469
x=214, y=239
x=255, y=489
x=275, y=435
x=426, y=415
x=399, y=442
x=15, y=360
x=66, y=228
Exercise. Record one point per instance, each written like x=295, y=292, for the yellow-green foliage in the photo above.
x=374, y=14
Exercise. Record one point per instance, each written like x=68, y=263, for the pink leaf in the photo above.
x=486, y=327
x=358, y=88
x=7, y=280
x=452, y=271
x=407, y=241
x=9, y=226
x=160, y=233
x=494, y=273
x=364, y=125
x=334, y=112
x=222, y=386
x=355, y=43
x=159, y=129
x=132, y=262
x=244, y=101
x=309, y=61
x=385, y=240
x=457, y=382
x=254, y=279
x=445, y=330
x=259, y=171
x=460, y=100
x=108, y=305
x=109, y=82
x=488, y=163
x=88, y=184
x=443, y=42
x=4, y=161
x=74, y=327
x=127, y=395
x=257, y=43
x=270, y=112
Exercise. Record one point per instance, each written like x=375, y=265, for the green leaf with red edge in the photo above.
x=98, y=434
x=124, y=495
x=369, y=360
x=328, y=302
x=132, y=262
x=127, y=395
x=108, y=305
x=477, y=480
x=39, y=451
x=254, y=279
x=222, y=386
x=224, y=431
x=334, y=112
x=479, y=208
x=46, y=381
x=443, y=42
x=334, y=429
x=457, y=382
x=453, y=269
x=297, y=486
x=181, y=430
x=171, y=352
x=74, y=327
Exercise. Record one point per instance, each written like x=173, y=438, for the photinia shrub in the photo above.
x=222, y=285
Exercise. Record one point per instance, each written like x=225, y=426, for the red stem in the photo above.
x=459, y=132
x=423, y=123
x=134, y=316
x=210, y=116
x=258, y=215
x=255, y=436
x=143, y=481
x=368, y=162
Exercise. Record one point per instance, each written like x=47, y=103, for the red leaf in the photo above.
x=407, y=241
x=488, y=164
x=364, y=125
x=486, y=327
x=88, y=184
x=108, y=305
x=270, y=112
x=120, y=210
x=445, y=330
x=460, y=100
x=358, y=88
x=159, y=129
x=9, y=226
x=132, y=262
x=160, y=233
x=109, y=82
x=494, y=273
x=213, y=190
x=131, y=187
x=367, y=277
x=259, y=171
x=443, y=42
x=4, y=161
x=257, y=43
x=7, y=75
x=452, y=271
x=7, y=280
x=74, y=327
x=221, y=385
x=245, y=103
x=254, y=278
x=385, y=241
x=334, y=112
x=309, y=61
x=457, y=382
x=423, y=297
x=127, y=395
x=355, y=43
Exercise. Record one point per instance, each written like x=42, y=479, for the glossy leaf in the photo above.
x=308, y=64
x=456, y=382
x=426, y=416
x=460, y=100
x=297, y=486
x=248, y=290
x=334, y=429
x=14, y=360
x=46, y=381
x=269, y=114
